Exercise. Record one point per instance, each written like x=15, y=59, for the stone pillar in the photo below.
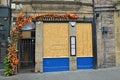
x=39, y=47
x=72, y=59
x=117, y=36
x=100, y=53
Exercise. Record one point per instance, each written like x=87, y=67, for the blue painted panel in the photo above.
x=55, y=64
x=84, y=62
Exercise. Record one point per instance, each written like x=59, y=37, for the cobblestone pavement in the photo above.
x=98, y=74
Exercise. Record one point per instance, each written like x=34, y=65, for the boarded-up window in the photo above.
x=84, y=39
x=55, y=39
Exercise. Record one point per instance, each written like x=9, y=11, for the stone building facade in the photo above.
x=105, y=24
x=84, y=11
x=105, y=41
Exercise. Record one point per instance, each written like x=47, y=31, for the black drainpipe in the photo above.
x=94, y=37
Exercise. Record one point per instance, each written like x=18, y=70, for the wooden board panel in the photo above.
x=26, y=34
x=55, y=39
x=84, y=39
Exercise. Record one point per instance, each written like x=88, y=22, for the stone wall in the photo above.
x=104, y=2
x=105, y=41
x=82, y=11
x=117, y=34
x=3, y=2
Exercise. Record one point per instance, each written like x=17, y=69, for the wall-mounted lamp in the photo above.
x=38, y=22
x=72, y=24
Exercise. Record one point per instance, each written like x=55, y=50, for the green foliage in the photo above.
x=7, y=67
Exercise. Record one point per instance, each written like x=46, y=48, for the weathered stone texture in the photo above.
x=104, y=2
x=72, y=60
x=117, y=35
x=59, y=8
x=39, y=47
x=3, y=2
x=85, y=1
x=106, y=42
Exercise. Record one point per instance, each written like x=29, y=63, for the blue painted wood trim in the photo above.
x=55, y=64
x=85, y=63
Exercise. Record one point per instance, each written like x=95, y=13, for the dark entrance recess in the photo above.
x=26, y=53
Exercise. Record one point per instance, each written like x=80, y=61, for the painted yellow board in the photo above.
x=26, y=34
x=84, y=39
x=55, y=39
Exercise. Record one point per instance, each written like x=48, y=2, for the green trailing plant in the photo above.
x=7, y=66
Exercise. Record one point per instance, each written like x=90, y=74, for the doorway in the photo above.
x=26, y=54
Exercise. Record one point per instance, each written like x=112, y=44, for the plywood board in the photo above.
x=26, y=34
x=55, y=39
x=84, y=39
